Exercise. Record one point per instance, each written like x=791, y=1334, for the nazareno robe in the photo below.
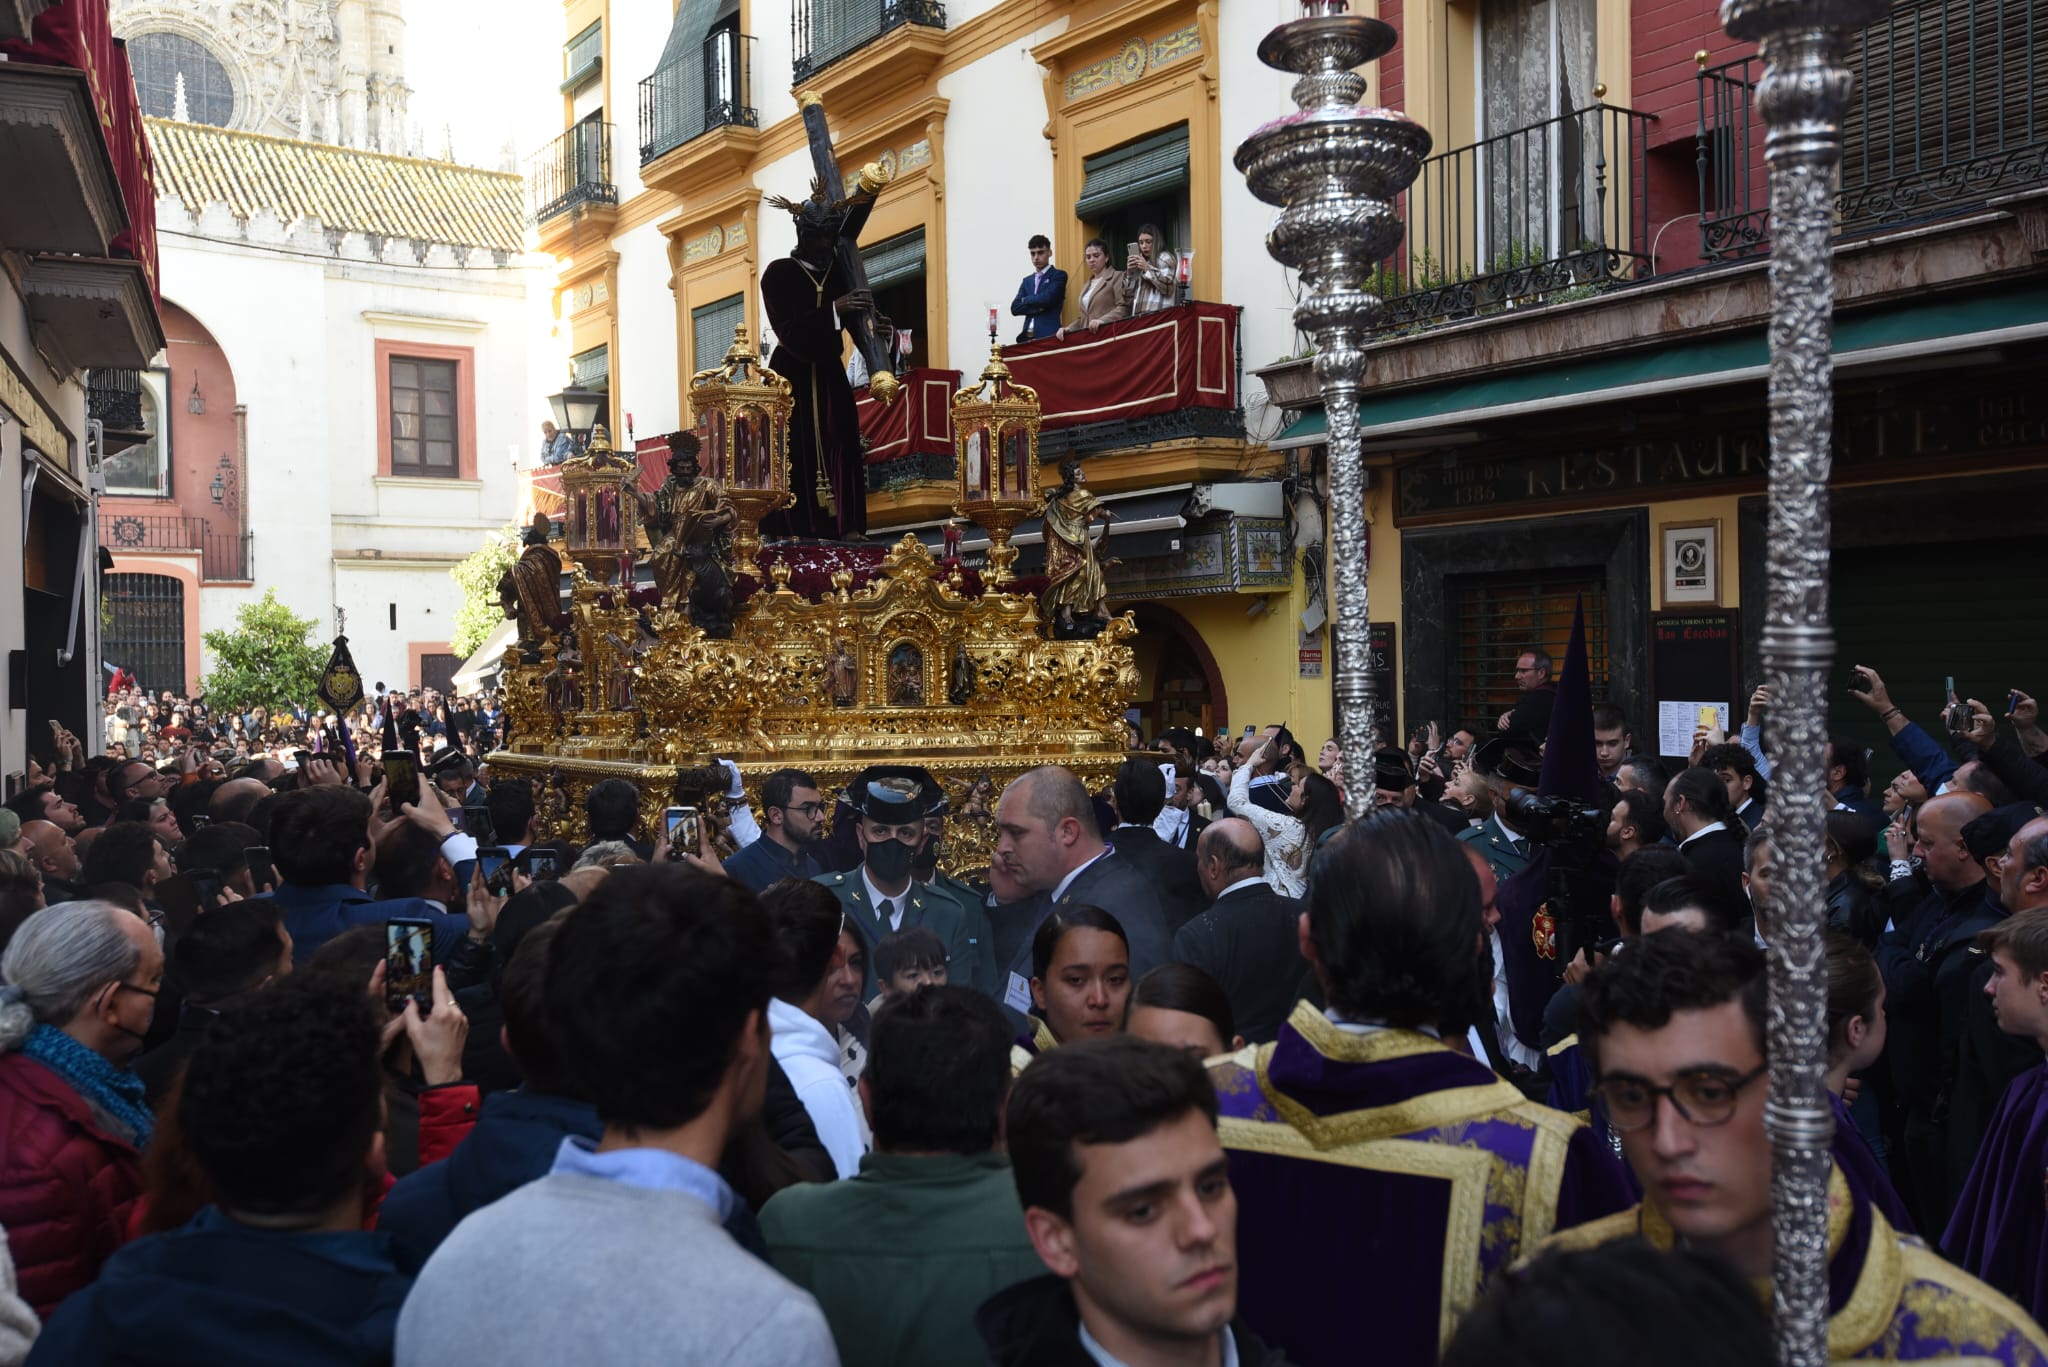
x=1891, y=1298
x=2000, y=1229
x=1385, y=1181
x=824, y=429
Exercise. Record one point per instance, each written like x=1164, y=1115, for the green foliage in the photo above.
x=266, y=659
x=478, y=615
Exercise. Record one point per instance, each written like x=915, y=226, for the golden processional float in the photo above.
x=824, y=657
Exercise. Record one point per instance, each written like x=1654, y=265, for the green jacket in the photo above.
x=980, y=972
x=901, y=1255
x=936, y=912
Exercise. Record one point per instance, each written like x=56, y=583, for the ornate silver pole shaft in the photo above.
x=1335, y=169
x=1805, y=88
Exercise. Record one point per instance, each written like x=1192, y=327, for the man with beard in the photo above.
x=792, y=821
x=881, y=896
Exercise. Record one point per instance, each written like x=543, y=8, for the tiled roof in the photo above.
x=346, y=189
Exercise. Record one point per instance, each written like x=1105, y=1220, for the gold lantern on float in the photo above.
x=601, y=520
x=995, y=441
x=742, y=410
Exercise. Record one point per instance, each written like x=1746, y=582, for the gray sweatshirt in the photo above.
x=577, y=1269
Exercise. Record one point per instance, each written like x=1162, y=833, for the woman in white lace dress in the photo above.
x=1289, y=841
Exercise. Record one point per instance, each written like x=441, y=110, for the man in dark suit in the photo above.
x=1178, y=823
x=1139, y=793
x=1393, y=776
x=1697, y=810
x=1042, y=295
x=1249, y=940
x=1049, y=843
x=1530, y=716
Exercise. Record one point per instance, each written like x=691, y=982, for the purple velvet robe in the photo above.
x=2000, y=1229
x=1383, y=1182
x=823, y=427
x=1891, y=1298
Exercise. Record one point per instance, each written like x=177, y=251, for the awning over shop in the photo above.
x=1145, y=169
x=1864, y=338
x=894, y=260
x=1308, y=429
x=481, y=669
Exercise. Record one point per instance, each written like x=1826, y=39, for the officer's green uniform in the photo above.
x=979, y=972
x=937, y=912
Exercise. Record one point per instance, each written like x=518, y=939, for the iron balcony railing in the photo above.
x=1947, y=113
x=571, y=171
x=222, y=555
x=823, y=31
x=1554, y=211
x=114, y=399
x=712, y=87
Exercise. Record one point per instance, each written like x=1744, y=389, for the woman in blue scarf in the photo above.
x=81, y=980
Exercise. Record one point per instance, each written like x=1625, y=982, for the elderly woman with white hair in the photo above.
x=81, y=981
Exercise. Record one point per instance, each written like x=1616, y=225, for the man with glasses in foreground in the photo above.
x=792, y=821
x=1675, y=1032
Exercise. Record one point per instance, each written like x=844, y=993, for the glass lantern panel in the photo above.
x=1017, y=458
x=579, y=521
x=607, y=529
x=975, y=455
x=753, y=464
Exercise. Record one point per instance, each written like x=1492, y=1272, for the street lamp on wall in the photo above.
x=576, y=412
x=195, y=402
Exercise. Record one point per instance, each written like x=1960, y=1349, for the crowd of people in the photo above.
x=1195, y=1070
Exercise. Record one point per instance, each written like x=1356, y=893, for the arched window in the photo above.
x=159, y=59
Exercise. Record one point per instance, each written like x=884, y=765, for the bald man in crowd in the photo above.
x=55, y=858
x=1249, y=939
x=1927, y=967
x=1050, y=845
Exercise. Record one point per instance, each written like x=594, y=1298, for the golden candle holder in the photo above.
x=995, y=444
x=742, y=410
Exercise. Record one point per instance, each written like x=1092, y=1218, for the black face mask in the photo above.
x=889, y=860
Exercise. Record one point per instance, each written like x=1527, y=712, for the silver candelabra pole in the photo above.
x=1805, y=88
x=1335, y=168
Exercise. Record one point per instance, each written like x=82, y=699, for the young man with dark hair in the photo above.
x=1395, y=933
x=1612, y=740
x=612, y=809
x=1139, y=794
x=515, y=819
x=1676, y=1032
x=1687, y=902
x=1703, y=821
x=1748, y=789
x=221, y=850
x=126, y=852
x=281, y=1113
x=1128, y=1201
x=223, y=959
x=1635, y=823
x=792, y=821
x=1042, y=294
x=656, y=996
x=1999, y=1231
x=900, y=1255
x=320, y=843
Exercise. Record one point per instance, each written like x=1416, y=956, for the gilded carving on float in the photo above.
x=919, y=664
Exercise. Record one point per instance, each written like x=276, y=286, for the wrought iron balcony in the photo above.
x=572, y=171
x=113, y=398
x=1541, y=214
x=1950, y=110
x=824, y=31
x=223, y=556
x=699, y=91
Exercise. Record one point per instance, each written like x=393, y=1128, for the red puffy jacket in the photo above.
x=67, y=1187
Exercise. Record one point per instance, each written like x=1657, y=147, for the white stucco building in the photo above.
x=345, y=386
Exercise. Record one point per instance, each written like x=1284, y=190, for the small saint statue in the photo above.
x=844, y=675
x=1073, y=561
x=961, y=685
x=690, y=521
x=531, y=591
